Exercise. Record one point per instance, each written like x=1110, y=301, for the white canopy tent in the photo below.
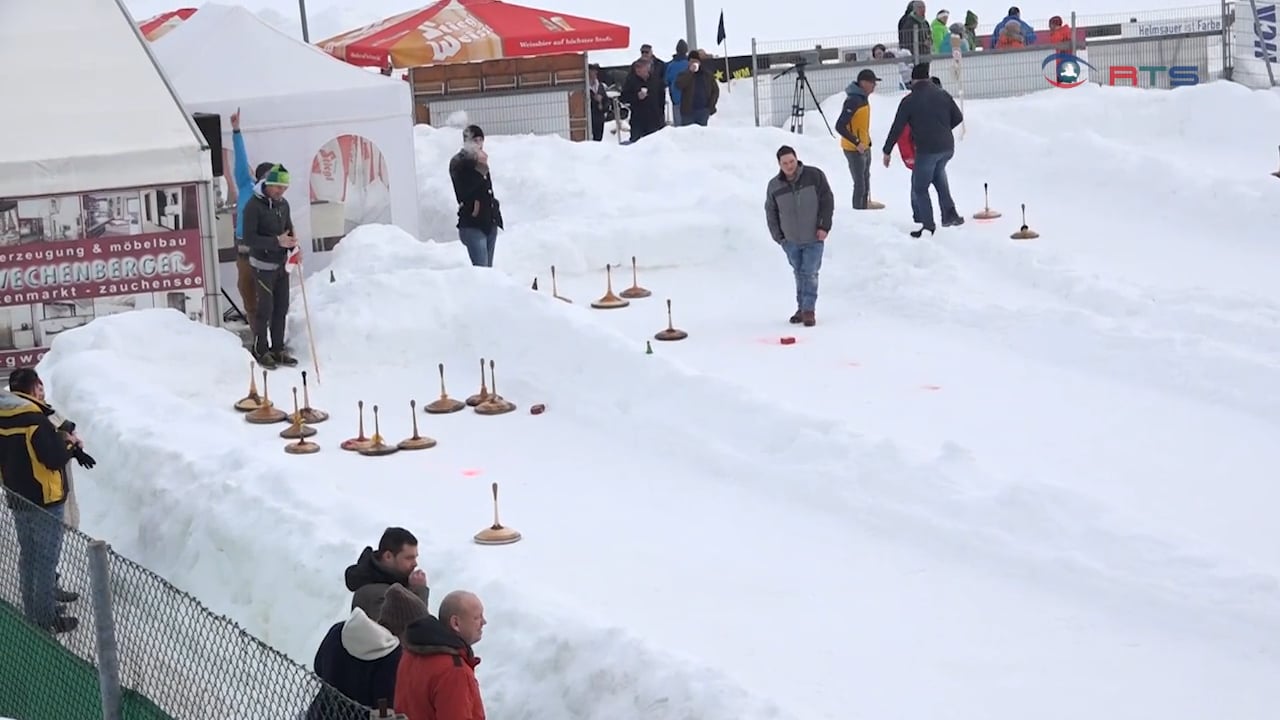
x=95, y=116
x=295, y=100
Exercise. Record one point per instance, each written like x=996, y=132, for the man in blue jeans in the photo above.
x=798, y=207
x=932, y=114
x=479, y=215
x=32, y=458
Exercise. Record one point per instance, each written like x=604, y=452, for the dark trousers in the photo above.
x=860, y=169
x=273, y=309
x=597, y=125
x=931, y=169
x=696, y=117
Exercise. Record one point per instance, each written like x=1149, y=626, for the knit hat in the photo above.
x=943, y=13
x=682, y=48
x=400, y=608
x=370, y=598
x=277, y=175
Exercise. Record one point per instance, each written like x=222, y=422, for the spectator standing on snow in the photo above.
x=601, y=103
x=914, y=33
x=268, y=231
x=359, y=656
x=246, y=283
x=437, y=676
x=932, y=115
x=479, y=213
x=32, y=458
x=971, y=30
x=699, y=92
x=798, y=208
x=854, y=127
x=1026, y=34
x=679, y=62
x=395, y=561
x=643, y=91
x=938, y=30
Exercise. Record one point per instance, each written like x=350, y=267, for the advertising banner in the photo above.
x=69, y=259
x=1254, y=39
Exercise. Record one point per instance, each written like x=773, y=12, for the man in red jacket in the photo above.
x=436, y=679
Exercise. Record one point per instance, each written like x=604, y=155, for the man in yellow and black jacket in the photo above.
x=32, y=458
x=854, y=127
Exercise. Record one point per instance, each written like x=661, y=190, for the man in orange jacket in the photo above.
x=436, y=679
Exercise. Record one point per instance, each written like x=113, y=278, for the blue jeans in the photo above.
x=806, y=261
x=931, y=169
x=697, y=117
x=675, y=114
x=479, y=244
x=39, y=545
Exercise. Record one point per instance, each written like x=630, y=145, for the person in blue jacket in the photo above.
x=244, y=181
x=1015, y=15
x=679, y=63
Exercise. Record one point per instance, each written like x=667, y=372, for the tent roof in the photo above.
x=226, y=56
x=458, y=31
x=94, y=116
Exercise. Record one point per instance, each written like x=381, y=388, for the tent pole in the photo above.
x=302, y=15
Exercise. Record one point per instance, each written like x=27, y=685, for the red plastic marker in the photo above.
x=788, y=340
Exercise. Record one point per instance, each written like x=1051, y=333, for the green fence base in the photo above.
x=42, y=680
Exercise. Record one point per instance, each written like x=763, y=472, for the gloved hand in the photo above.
x=85, y=459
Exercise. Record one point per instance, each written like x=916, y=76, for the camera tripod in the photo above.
x=798, y=100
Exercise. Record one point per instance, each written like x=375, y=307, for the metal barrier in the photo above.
x=1158, y=49
x=139, y=649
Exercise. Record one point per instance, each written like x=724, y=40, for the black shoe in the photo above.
x=920, y=232
x=63, y=624
x=65, y=596
x=284, y=358
x=953, y=221
x=797, y=318
x=267, y=361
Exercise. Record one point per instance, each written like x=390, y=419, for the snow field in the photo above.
x=1077, y=519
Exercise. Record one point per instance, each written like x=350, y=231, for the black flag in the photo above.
x=720, y=31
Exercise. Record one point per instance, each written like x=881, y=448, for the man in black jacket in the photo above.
x=645, y=92
x=268, y=232
x=932, y=114
x=479, y=214
x=32, y=458
x=394, y=562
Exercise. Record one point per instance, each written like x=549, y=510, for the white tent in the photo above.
x=295, y=101
x=85, y=108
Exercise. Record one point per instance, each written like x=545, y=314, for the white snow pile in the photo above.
x=1072, y=518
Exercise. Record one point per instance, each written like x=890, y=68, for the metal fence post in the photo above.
x=1224, y=13
x=104, y=625
x=1073, y=32
x=755, y=82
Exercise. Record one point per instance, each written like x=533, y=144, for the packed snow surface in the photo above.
x=999, y=480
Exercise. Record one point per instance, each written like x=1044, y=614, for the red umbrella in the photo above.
x=154, y=28
x=458, y=31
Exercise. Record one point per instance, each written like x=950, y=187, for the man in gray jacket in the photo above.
x=799, y=206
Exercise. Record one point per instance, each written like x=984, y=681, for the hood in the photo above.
x=855, y=89
x=971, y=19
x=364, y=639
x=10, y=401
x=429, y=636
x=258, y=190
x=368, y=571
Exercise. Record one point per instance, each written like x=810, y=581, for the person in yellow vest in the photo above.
x=854, y=127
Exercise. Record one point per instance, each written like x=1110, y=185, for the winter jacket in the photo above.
x=359, y=658
x=953, y=40
x=32, y=454
x=678, y=64
x=265, y=220
x=368, y=571
x=932, y=115
x=471, y=185
x=854, y=123
x=1060, y=35
x=650, y=114
x=698, y=88
x=914, y=34
x=436, y=679
x=243, y=177
x=971, y=29
x=1028, y=33
x=797, y=209
x=938, y=32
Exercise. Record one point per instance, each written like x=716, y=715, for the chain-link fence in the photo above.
x=1157, y=49
x=83, y=629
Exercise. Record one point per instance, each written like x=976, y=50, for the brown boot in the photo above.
x=808, y=318
x=797, y=318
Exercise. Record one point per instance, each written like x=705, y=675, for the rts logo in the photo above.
x=1065, y=70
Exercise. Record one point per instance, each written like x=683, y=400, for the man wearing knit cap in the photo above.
x=360, y=657
x=268, y=232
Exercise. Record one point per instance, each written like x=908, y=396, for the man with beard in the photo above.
x=395, y=561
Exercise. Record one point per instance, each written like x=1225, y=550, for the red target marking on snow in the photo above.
x=931, y=387
x=471, y=472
